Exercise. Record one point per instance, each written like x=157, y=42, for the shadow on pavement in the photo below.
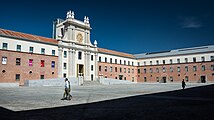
x=189, y=104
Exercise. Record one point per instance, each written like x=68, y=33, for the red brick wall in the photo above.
x=114, y=74
x=12, y=69
x=194, y=76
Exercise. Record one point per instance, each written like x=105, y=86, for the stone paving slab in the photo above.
x=30, y=98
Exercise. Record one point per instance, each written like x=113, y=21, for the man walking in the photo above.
x=67, y=95
x=183, y=84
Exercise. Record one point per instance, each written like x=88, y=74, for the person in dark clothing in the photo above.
x=183, y=84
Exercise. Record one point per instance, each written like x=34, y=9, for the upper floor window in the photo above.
x=105, y=68
x=120, y=69
x=178, y=69
x=100, y=68
x=31, y=49
x=128, y=70
x=115, y=61
x=79, y=55
x=157, y=70
x=212, y=67
x=128, y=62
x=202, y=59
x=110, y=60
x=138, y=63
x=120, y=61
x=164, y=62
x=132, y=70
x=194, y=59
x=4, y=46
x=138, y=70
x=124, y=62
x=157, y=62
x=203, y=67
x=100, y=59
x=18, y=61
x=65, y=66
x=186, y=60
x=92, y=57
x=150, y=62
x=4, y=60
x=170, y=61
x=144, y=70
x=186, y=68
x=18, y=48
x=194, y=68
x=115, y=69
x=53, y=64
x=30, y=62
x=171, y=69
x=212, y=58
x=164, y=69
x=144, y=63
x=150, y=70
x=124, y=70
x=178, y=60
x=132, y=63
x=42, y=63
x=106, y=59
x=42, y=50
x=53, y=52
x=65, y=54
x=92, y=67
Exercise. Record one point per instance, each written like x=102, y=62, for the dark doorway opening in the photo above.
x=120, y=77
x=203, y=79
x=163, y=80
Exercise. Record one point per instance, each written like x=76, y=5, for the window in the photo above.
x=138, y=70
x=42, y=76
x=132, y=63
x=186, y=60
x=128, y=62
x=92, y=57
x=92, y=68
x=212, y=58
x=164, y=62
x=170, y=61
x=42, y=50
x=99, y=59
x=138, y=63
x=171, y=69
x=17, y=77
x=124, y=62
x=79, y=55
x=203, y=67
x=30, y=62
x=18, y=61
x=105, y=68
x=144, y=70
x=171, y=79
x=186, y=78
x=128, y=70
x=53, y=52
x=157, y=79
x=124, y=78
x=92, y=77
x=145, y=79
x=164, y=69
x=124, y=70
x=157, y=62
x=100, y=68
x=110, y=69
x=150, y=70
x=144, y=63
x=42, y=63
x=132, y=70
x=115, y=77
x=186, y=68
x=53, y=64
x=65, y=66
x=157, y=70
x=150, y=62
x=178, y=69
x=31, y=49
x=178, y=60
x=65, y=54
x=194, y=68
x=110, y=60
x=115, y=69
x=4, y=60
x=115, y=61
x=18, y=48
x=194, y=59
x=120, y=69
x=212, y=67
x=106, y=59
x=202, y=59
x=120, y=61
x=4, y=46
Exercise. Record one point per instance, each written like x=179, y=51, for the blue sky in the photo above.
x=131, y=26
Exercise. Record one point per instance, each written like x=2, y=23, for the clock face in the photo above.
x=79, y=37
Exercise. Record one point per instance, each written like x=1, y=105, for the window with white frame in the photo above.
x=18, y=48
x=4, y=60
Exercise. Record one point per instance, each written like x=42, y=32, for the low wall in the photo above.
x=109, y=81
x=9, y=84
x=51, y=82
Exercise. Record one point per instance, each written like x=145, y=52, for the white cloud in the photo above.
x=190, y=22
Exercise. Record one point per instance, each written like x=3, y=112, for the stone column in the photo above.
x=73, y=63
x=60, y=62
x=96, y=66
x=87, y=66
x=70, y=63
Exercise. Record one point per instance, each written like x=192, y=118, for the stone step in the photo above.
x=90, y=83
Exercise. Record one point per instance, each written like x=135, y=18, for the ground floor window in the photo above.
x=157, y=79
x=145, y=80
x=186, y=78
x=17, y=77
x=42, y=76
x=92, y=76
x=171, y=79
x=64, y=75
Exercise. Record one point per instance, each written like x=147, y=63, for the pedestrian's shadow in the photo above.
x=190, y=104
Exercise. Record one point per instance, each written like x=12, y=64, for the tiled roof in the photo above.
x=26, y=36
x=102, y=50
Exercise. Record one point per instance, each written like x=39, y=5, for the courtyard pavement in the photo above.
x=135, y=101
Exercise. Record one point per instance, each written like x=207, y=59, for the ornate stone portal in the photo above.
x=77, y=56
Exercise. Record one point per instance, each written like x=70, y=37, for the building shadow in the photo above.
x=190, y=104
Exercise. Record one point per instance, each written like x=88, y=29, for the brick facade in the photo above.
x=8, y=71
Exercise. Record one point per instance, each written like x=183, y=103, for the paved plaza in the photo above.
x=135, y=101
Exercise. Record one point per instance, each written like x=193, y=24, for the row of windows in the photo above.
x=178, y=61
x=115, y=61
x=18, y=76
x=30, y=62
x=170, y=78
x=115, y=69
x=203, y=68
x=31, y=49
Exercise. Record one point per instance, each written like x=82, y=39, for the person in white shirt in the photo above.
x=67, y=95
